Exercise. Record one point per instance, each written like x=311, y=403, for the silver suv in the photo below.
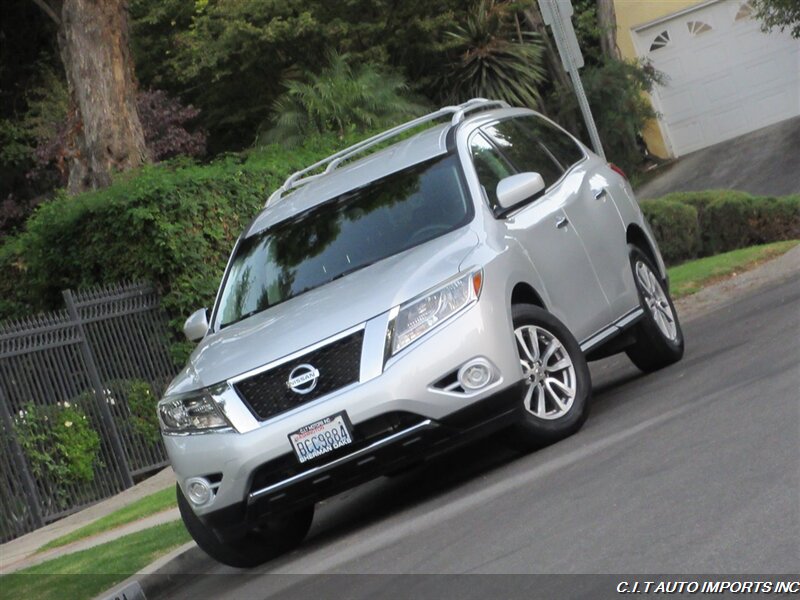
x=381, y=310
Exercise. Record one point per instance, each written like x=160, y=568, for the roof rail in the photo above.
x=334, y=160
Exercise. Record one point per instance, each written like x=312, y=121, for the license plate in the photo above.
x=321, y=437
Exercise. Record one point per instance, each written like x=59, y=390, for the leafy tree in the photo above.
x=341, y=98
x=779, y=14
x=27, y=48
x=232, y=58
x=615, y=90
x=156, y=26
x=24, y=139
x=494, y=58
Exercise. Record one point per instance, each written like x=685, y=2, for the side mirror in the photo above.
x=196, y=326
x=517, y=188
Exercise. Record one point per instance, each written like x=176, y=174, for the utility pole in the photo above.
x=556, y=14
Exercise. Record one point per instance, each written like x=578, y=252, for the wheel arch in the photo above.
x=636, y=236
x=524, y=293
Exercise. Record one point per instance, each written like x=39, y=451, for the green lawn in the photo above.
x=692, y=276
x=89, y=572
x=149, y=505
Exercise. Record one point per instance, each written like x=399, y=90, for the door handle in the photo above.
x=599, y=194
x=562, y=222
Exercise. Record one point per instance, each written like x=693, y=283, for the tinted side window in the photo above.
x=490, y=166
x=517, y=139
x=562, y=146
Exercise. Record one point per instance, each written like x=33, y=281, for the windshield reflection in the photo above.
x=344, y=234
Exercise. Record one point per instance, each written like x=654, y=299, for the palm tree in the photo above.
x=494, y=58
x=339, y=99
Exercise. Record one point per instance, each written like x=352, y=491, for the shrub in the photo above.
x=700, y=201
x=142, y=406
x=60, y=444
x=616, y=92
x=491, y=57
x=342, y=98
x=778, y=219
x=739, y=222
x=173, y=224
x=675, y=227
x=166, y=125
x=730, y=219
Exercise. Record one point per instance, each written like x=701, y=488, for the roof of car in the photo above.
x=406, y=153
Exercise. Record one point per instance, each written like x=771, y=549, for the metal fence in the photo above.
x=78, y=392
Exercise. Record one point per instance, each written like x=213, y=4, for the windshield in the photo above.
x=344, y=234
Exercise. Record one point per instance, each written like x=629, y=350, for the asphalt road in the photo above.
x=694, y=469
x=763, y=162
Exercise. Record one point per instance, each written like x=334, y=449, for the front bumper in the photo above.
x=279, y=487
x=404, y=386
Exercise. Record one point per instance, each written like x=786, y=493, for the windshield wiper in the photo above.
x=348, y=271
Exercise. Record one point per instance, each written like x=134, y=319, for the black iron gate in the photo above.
x=78, y=393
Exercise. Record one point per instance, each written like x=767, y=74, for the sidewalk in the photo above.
x=21, y=552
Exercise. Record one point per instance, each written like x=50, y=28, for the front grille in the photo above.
x=338, y=363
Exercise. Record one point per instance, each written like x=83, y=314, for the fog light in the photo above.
x=199, y=491
x=475, y=374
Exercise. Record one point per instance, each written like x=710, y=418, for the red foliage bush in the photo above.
x=166, y=124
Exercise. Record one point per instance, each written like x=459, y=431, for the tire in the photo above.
x=268, y=541
x=556, y=400
x=659, y=338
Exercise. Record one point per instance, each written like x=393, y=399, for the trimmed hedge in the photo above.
x=723, y=220
x=173, y=224
x=675, y=226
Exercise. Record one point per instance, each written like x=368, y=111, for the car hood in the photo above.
x=324, y=311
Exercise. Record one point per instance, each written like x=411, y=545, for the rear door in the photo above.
x=594, y=214
x=543, y=229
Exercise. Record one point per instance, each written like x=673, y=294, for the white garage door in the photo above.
x=725, y=77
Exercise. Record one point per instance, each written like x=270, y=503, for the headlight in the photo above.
x=195, y=411
x=417, y=317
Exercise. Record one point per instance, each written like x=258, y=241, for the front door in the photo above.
x=545, y=233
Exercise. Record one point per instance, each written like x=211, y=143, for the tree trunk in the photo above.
x=607, y=20
x=93, y=43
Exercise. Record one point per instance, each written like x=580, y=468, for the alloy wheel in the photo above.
x=548, y=370
x=656, y=300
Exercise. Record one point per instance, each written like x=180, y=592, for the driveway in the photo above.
x=764, y=162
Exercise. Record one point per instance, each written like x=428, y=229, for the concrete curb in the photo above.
x=156, y=578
